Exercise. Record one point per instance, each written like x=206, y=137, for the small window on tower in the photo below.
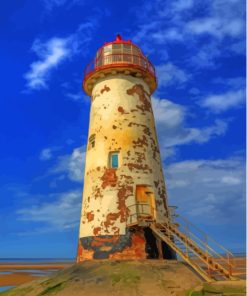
x=114, y=161
x=91, y=143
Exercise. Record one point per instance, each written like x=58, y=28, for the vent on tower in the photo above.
x=91, y=141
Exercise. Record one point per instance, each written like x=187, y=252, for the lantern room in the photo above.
x=119, y=56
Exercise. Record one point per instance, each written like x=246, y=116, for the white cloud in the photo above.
x=51, y=54
x=78, y=97
x=172, y=23
x=230, y=180
x=172, y=131
x=72, y=164
x=59, y=213
x=223, y=102
x=216, y=26
x=45, y=154
x=208, y=190
x=206, y=56
x=169, y=74
x=54, y=52
x=182, y=5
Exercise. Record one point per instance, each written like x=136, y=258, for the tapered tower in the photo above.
x=124, y=188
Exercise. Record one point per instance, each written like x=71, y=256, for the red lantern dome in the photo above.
x=119, y=56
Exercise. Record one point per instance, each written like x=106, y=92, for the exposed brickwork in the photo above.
x=129, y=247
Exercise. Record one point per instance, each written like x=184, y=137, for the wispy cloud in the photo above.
x=203, y=35
x=60, y=212
x=225, y=101
x=51, y=4
x=216, y=26
x=173, y=130
x=71, y=164
x=169, y=74
x=45, y=154
x=53, y=52
x=208, y=190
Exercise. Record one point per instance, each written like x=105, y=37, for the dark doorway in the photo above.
x=167, y=251
x=151, y=247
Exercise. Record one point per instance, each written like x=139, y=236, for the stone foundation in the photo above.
x=131, y=246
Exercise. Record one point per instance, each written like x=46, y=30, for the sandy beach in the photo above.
x=12, y=274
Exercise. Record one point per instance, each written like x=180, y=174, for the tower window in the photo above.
x=114, y=162
x=91, y=143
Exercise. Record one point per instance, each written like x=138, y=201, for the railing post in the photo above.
x=187, y=234
x=207, y=254
x=229, y=264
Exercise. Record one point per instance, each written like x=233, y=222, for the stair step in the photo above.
x=188, y=248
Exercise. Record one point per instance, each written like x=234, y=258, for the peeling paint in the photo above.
x=90, y=216
x=106, y=88
x=109, y=178
x=121, y=120
x=139, y=90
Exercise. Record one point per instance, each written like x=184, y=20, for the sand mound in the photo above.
x=116, y=278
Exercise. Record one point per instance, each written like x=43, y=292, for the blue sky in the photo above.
x=198, y=50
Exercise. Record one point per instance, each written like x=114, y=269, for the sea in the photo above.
x=34, y=272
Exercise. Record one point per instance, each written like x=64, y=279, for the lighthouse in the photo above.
x=124, y=188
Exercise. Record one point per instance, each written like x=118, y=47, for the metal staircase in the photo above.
x=208, y=258
x=210, y=264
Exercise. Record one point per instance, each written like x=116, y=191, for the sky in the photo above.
x=198, y=50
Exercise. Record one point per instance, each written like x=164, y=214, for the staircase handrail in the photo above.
x=229, y=262
x=207, y=248
x=206, y=235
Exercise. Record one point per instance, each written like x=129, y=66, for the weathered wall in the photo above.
x=122, y=120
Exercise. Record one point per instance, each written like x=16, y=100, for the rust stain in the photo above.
x=97, y=192
x=124, y=192
x=96, y=230
x=90, y=216
x=140, y=156
x=140, y=142
x=139, y=90
x=106, y=88
x=116, y=230
x=121, y=110
x=109, y=178
x=141, y=167
x=110, y=218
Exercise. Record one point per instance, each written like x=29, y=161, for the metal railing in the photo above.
x=105, y=61
x=198, y=247
x=142, y=211
x=190, y=243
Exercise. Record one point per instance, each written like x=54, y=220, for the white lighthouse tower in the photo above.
x=124, y=185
